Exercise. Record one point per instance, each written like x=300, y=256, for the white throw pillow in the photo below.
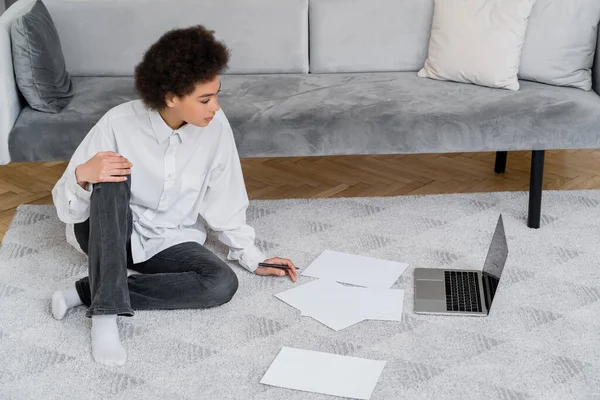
x=477, y=41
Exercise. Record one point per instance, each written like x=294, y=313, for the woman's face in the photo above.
x=199, y=107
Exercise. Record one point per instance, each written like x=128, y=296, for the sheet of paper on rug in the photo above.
x=355, y=269
x=338, y=306
x=306, y=296
x=324, y=373
x=373, y=303
x=390, y=302
x=346, y=306
x=327, y=302
x=394, y=312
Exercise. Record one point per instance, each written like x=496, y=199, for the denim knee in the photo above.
x=113, y=187
x=226, y=287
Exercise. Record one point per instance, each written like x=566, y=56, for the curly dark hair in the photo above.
x=177, y=62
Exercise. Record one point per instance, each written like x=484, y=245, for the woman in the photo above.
x=141, y=185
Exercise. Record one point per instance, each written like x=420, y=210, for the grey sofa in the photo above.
x=318, y=77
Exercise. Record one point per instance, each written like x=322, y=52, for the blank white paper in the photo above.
x=310, y=295
x=396, y=304
x=329, y=303
x=346, y=306
x=356, y=270
x=324, y=373
x=339, y=307
x=373, y=304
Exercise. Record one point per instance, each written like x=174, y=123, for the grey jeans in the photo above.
x=186, y=275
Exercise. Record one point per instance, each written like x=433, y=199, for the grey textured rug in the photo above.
x=542, y=339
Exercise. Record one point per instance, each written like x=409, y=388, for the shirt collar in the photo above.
x=185, y=132
x=162, y=131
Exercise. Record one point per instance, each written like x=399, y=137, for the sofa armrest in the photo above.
x=11, y=102
x=596, y=69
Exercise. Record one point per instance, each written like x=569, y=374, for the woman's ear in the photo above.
x=170, y=99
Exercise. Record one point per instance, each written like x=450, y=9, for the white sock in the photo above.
x=106, y=346
x=64, y=299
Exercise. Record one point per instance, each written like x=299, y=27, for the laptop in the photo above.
x=462, y=292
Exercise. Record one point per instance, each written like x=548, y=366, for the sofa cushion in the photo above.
x=477, y=41
x=38, y=136
x=564, y=56
x=304, y=115
x=38, y=61
x=109, y=37
x=369, y=35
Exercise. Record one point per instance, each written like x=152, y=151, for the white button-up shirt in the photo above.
x=180, y=180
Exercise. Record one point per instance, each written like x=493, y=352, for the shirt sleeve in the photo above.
x=225, y=203
x=72, y=202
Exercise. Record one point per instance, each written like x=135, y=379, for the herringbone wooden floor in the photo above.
x=348, y=176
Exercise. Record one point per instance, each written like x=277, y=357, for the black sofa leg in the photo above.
x=535, y=188
x=500, y=166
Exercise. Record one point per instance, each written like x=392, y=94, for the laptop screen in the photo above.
x=498, y=252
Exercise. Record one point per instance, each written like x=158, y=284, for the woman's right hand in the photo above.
x=106, y=166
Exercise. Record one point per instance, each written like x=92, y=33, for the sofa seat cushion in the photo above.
x=327, y=114
x=395, y=113
x=39, y=136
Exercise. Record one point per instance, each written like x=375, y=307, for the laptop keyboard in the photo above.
x=462, y=291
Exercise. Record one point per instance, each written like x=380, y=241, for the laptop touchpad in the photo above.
x=432, y=290
x=429, y=273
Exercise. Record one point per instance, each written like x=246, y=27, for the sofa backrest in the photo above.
x=369, y=35
x=109, y=37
